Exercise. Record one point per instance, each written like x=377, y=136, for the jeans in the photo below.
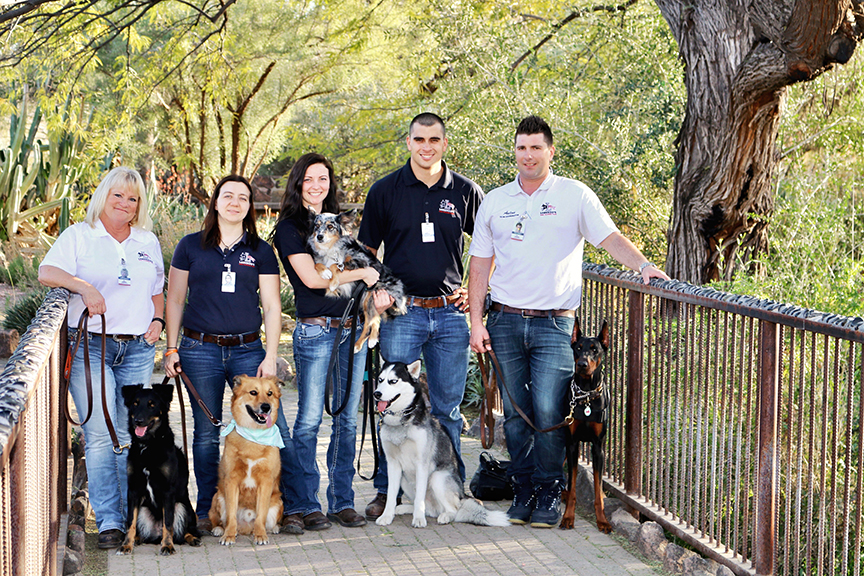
x=126, y=363
x=312, y=347
x=537, y=365
x=209, y=367
x=441, y=334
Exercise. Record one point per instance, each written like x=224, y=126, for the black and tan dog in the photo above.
x=590, y=398
x=334, y=250
x=158, y=499
x=248, y=499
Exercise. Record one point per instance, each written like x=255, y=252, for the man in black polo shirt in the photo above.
x=419, y=212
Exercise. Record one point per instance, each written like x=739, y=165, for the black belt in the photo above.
x=527, y=313
x=223, y=340
x=326, y=321
x=117, y=337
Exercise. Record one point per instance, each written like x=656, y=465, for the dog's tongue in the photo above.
x=269, y=421
x=140, y=431
x=382, y=405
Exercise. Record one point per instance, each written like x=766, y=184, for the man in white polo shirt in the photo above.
x=534, y=228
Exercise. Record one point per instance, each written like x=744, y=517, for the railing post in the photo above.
x=633, y=426
x=766, y=495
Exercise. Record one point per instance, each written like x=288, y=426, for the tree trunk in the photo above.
x=739, y=58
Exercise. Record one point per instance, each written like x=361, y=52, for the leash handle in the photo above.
x=491, y=353
x=179, y=387
x=332, y=376
x=213, y=420
x=490, y=388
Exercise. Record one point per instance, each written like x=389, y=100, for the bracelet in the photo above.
x=160, y=320
x=645, y=265
x=168, y=352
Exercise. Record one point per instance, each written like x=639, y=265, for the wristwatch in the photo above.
x=645, y=265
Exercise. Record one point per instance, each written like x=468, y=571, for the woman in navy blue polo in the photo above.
x=227, y=271
x=311, y=186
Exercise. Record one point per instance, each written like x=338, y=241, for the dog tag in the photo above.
x=587, y=411
x=228, y=279
x=123, y=279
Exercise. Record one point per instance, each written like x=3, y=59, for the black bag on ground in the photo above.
x=490, y=481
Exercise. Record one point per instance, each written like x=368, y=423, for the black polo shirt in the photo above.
x=210, y=310
x=310, y=302
x=398, y=204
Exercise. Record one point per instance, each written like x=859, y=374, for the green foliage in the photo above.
x=287, y=297
x=20, y=313
x=19, y=271
x=474, y=392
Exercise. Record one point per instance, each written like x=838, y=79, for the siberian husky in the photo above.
x=420, y=456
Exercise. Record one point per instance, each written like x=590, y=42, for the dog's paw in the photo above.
x=418, y=521
x=384, y=520
x=261, y=539
x=404, y=509
x=167, y=550
x=193, y=540
x=326, y=274
x=124, y=550
x=228, y=539
x=604, y=526
x=446, y=517
x=566, y=523
x=372, y=342
x=217, y=530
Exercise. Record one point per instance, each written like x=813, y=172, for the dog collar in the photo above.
x=265, y=436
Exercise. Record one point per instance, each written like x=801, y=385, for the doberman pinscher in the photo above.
x=589, y=402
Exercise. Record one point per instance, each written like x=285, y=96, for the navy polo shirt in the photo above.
x=310, y=302
x=208, y=309
x=395, y=208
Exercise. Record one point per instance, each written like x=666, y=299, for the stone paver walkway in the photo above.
x=396, y=549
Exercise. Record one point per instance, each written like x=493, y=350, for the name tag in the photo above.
x=229, y=279
x=427, y=229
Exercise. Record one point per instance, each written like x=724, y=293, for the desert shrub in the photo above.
x=20, y=312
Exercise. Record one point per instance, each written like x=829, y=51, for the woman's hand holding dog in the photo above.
x=172, y=365
x=382, y=300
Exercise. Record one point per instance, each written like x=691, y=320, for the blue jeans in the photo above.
x=210, y=367
x=126, y=363
x=312, y=347
x=441, y=334
x=537, y=365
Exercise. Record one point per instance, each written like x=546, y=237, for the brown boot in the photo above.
x=291, y=524
x=376, y=506
x=348, y=518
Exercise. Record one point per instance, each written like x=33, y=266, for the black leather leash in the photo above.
x=332, y=378
x=84, y=335
x=373, y=367
x=491, y=354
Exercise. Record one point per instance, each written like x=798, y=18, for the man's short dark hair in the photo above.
x=427, y=119
x=534, y=125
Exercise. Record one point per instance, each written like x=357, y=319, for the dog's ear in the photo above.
x=577, y=332
x=238, y=379
x=414, y=369
x=129, y=393
x=165, y=392
x=349, y=219
x=603, y=336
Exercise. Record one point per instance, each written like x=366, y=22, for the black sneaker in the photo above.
x=523, y=502
x=547, y=512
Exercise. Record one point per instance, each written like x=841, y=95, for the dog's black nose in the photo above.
x=582, y=363
x=265, y=408
x=377, y=395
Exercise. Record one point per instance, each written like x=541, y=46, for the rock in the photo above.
x=625, y=524
x=651, y=541
x=695, y=565
x=72, y=562
x=8, y=342
x=75, y=539
x=500, y=443
x=285, y=372
x=288, y=323
x=723, y=571
x=585, y=489
x=675, y=556
x=611, y=505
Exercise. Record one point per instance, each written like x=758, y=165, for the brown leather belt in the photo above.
x=223, y=340
x=117, y=337
x=326, y=321
x=525, y=313
x=432, y=302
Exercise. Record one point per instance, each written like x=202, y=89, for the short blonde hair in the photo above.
x=128, y=180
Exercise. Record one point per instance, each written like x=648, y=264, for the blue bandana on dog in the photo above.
x=265, y=436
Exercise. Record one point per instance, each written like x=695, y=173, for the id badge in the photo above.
x=123, y=279
x=427, y=229
x=518, y=232
x=229, y=279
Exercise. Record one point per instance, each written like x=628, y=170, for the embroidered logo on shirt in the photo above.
x=509, y=214
x=447, y=207
x=246, y=259
x=144, y=257
x=548, y=209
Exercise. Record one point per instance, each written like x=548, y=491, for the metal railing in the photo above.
x=34, y=447
x=736, y=422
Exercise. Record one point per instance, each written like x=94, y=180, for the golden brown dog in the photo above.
x=248, y=500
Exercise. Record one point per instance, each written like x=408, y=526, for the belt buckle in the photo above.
x=220, y=339
x=522, y=313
